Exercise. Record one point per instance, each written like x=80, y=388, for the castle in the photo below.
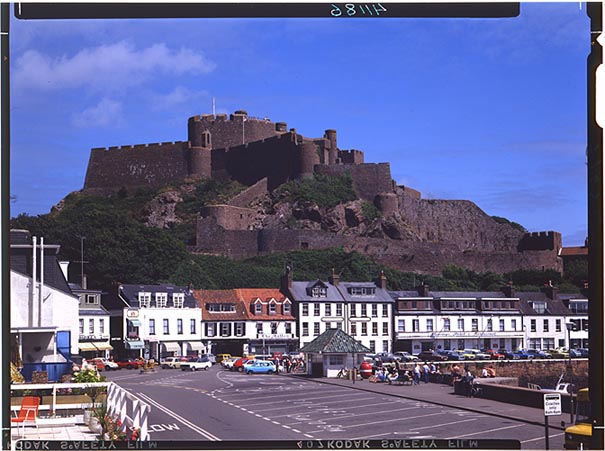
x=415, y=234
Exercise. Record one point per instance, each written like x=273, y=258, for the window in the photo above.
x=166, y=329
x=475, y=325
x=548, y=343
x=374, y=328
x=305, y=329
x=338, y=309
x=178, y=299
x=337, y=359
x=414, y=304
x=429, y=325
x=415, y=325
x=364, y=310
x=584, y=323
x=461, y=325
x=364, y=328
x=179, y=326
x=220, y=307
x=192, y=326
x=535, y=343
x=91, y=299
x=272, y=308
x=385, y=345
x=286, y=308
x=362, y=291
x=532, y=325
x=101, y=326
x=461, y=344
x=288, y=327
x=328, y=308
x=239, y=329
x=385, y=310
x=446, y=325
x=273, y=328
x=259, y=328
x=400, y=325
x=305, y=309
x=316, y=329
x=258, y=308
x=385, y=328
x=501, y=325
x=319, y=292
x=91, y=326
x=144, y=300
x=447, y=344
x=490, y=326
x=161, y=299
x=353, y=310
x=545, y=325
x=151, y=326
x=557, y=325
x=339, y=325
x=210, y=329
x=539, y=306
x=374, y=310
x=81, y=326
x=502, y=343
x=225, y=329
x=513, y=324
x=316, y=309
x=372, y=345
x=353, y=329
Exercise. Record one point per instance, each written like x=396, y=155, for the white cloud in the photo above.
x=114, y=66
x=179, y=96
x=106, y=112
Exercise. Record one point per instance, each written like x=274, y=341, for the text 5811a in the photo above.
x=352, y=9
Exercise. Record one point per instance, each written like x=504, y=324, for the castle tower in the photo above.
x=200, y=157
x=387, y=203
x=333, y=152
x=308, y=158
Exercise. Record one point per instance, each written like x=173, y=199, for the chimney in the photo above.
x=334, y=279
x=423, y=290
x=285, y=283
x=84, y=283
x=509, y=290
x=549, y=290
x=381, y=281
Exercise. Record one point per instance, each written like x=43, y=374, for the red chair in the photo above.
x=28, y=413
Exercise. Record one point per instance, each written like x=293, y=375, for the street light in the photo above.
x=570, y=326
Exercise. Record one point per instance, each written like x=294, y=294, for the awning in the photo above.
x=135, y=322
x=102, y=346
x=196, y=345
x=134, y=344
x=87, y=346
x=170, y=346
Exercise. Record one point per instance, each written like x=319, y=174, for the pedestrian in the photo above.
x=416, y=374
x=426, y=370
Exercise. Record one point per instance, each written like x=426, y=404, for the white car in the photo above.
x=228, y=363
x=202, y=363
x=110, y=365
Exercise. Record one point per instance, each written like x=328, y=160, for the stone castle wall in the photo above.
x=369, y=179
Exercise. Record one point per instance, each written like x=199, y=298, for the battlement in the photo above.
x=237, y=116
x=539, y=241
x=154, y=146
x=352, y=156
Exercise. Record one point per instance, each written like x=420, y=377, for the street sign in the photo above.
x=552, y=404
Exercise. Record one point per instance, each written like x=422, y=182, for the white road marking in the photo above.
x=489, y=430
x=442, y=424
x=542, y=438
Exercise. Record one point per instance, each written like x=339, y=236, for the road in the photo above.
x=221, y=405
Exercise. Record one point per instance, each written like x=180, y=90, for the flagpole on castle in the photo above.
x=213, y=106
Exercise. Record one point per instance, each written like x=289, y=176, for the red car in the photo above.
x=130, y=364
x=98, y=363
x=238, y=365
x=494, y=355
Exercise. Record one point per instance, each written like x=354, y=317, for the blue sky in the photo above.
x=489, y=110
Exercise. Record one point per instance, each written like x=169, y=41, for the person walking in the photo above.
x=416, y=374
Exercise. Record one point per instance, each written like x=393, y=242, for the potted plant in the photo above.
x=93, y=392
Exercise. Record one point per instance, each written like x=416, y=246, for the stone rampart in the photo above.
x=369, y=179
x=251, y=194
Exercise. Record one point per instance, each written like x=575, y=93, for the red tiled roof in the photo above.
x=573, y=251
x=249, y=295
x=204, y=297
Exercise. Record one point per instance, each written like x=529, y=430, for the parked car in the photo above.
x=259, y=367
x=221, y=357
x=468, y=354
x=238, y=365
x=453, y=355
x=512, y=355
x=109, y=364
x=130, y=364
x=522, y=355
x=431, y=356
x=538, y=354
x=386, y=357
x=494, y=355
x=480, y=355
x=404, y=356
x=172, y=362
x=228, y=363
x=98, y=363
x=559, y=353
x=201, y=363
x=575, y=353
x=583, y=352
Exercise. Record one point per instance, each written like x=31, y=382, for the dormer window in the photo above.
x=286, y=307
x=362, y=291
x=91, y=299
x=272, y=308
x=539, y=306
x=178, y=299
x=144, y=300
x=258, y=308
x=319, y=292
x=161, y=299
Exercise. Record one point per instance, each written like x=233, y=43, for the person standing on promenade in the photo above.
x=417, y=374
x=426, y=370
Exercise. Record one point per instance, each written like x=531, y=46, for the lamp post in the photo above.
x=570, y=326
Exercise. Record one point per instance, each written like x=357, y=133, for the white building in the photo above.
x=155, y=321
x=44, y=312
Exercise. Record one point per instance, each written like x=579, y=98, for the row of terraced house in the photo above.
x=155, y=321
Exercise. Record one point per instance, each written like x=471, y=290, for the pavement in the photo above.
x=443, y=394
x=436, y=393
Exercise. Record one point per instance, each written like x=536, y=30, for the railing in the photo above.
x=55, y=370
x=131, y=411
